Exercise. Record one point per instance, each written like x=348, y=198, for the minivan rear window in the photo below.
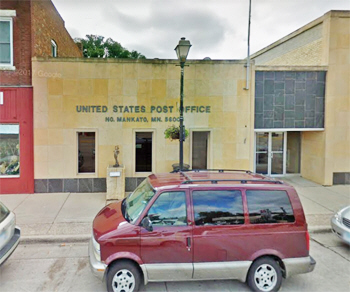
x=268, y=206
x=218, y=207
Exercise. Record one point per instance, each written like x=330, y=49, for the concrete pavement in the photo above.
x=65, y=268
x=63, y=217
x=319, y=202
x=67, y=217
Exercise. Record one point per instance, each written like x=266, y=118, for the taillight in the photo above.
x=307, y=240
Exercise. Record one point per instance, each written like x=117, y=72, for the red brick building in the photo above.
x=27, y=29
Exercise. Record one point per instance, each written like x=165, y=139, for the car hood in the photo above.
x=108, y=219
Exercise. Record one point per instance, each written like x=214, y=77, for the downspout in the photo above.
x=248, y=57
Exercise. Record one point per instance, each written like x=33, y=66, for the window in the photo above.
x=6, y=58
x=9, y=150
x=169, y=210
x=53, y=49
x=86, y=152
x=143, y=150
x=138, y=200
x=200, y=143
x=218, y=207
x=269, y=207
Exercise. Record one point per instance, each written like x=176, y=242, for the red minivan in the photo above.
x=202, y=225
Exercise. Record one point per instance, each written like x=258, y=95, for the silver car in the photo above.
x=341, y=224
x=9, y=233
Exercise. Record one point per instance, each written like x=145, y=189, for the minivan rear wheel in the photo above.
x=123, y=277
x=265, y=275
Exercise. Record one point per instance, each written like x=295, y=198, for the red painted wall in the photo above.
x=18, y=109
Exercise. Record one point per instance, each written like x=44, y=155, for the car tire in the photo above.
x=123, y=276
x=264, y=275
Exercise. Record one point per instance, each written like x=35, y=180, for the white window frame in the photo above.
x=86, y=174
x=19, y=141
x=54, y=45
x=8, y=66
x=143, y=174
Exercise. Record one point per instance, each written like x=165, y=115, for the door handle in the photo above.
x=188, y=243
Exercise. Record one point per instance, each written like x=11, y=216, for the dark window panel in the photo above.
x=269, y=75
x=290, y=86
x=269, y=86
x=218, y=207
x=143, y=150
x=86, y=152
x=279, y=76
x=268, y=102
x=269, y=207
x=259, y=105
x=301, y=76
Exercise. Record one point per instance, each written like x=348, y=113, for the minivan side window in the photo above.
x=218, y=207
x=169, y=210
x=269, y=207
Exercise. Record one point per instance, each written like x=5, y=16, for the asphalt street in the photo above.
x=60, y=267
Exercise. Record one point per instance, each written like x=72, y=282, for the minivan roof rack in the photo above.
x=220, y=170
x=185, y=175
x=243, y=181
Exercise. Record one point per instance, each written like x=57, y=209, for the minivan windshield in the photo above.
x=3, y=212
x=136, y=202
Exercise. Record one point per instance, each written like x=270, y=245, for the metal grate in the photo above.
x=346, y=222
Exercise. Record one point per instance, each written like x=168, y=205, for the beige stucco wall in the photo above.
x=313, y=156
x=326, y=153
x=337, y=121
x=62, y=84
x=305, y=49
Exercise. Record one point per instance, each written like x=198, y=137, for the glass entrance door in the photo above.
x=262, y=153
x=270, y=153
x=276, y=153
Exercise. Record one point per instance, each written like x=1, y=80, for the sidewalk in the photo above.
x=319, y=202
x=55, y=217
x=67, y=217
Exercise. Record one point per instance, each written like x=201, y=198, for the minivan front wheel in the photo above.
x=265, y=275
x=123, y=277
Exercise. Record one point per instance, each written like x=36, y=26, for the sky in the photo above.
x=217, y=29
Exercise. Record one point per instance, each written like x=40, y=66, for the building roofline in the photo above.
x=317, y=21
x=146, y=61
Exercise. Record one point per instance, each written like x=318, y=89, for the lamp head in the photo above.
x=182, y=49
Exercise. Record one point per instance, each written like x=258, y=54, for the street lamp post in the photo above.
x=182, y=50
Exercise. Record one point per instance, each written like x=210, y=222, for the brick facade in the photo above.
x=36, y=23
x=21, y=44
x=48, y=25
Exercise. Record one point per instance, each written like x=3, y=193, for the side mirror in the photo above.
x=147, y=224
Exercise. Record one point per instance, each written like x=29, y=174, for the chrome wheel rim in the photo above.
x=265, y=277
x=123, y=281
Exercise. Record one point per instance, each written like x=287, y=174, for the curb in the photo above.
x=62, y=239
x=319, y=229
